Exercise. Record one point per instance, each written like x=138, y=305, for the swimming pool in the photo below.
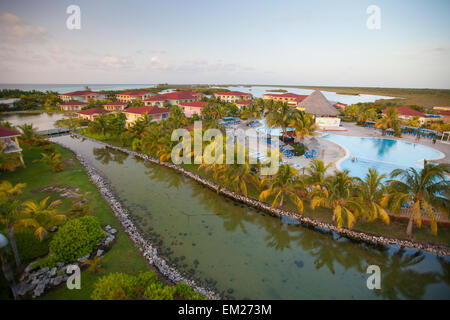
x=383, y=154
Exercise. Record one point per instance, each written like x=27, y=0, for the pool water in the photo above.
x=384, y=155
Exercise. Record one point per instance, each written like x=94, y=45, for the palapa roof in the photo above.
x=317, y=104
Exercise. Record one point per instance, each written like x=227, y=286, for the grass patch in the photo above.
x=122, y=257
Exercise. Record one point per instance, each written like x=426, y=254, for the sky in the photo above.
x=284, y=42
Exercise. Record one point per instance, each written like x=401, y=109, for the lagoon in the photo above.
x=245, y=253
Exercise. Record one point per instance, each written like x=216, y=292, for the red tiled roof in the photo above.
x=148, y=110
x=117, y=103
x=244, y=102
x=80, y=93
x=92, y=111
x=134, y=93
x=74, y=103
x=232, y=93
x=177, y=95
x=196, y=104
x=298, y=97
x=7, y=132
x=407, y=111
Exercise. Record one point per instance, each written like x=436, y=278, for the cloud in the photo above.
x=13, y=29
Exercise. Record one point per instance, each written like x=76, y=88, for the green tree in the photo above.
x=285, y=183
x=337, y=194
x=9, y=212
x=423, y=190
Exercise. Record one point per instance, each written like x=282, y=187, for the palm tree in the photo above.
x=237, y=176
x=251, y=112
x=284, y=184
x=29, y=134
x=281, y=117
x=139, y=126
x=177, y=118
x=100, y=125
x=40, y=216
x=8, y=161
x=390, y=120
x=337, y=195
x=9, y=208
x=303, y=124
x=372, y=191
x=95, y=265
x=316, y=173
x=52, y=160
x=424, y=191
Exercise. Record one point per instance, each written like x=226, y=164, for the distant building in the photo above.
x=191, y=108
x=442, y=108
x=9, y=102
x=242, y=104
x=72, y=106
x=134, y=113
x=115, y=106
x=289, y=98
x=408, y=113
x=83, y=96
x=233, y=96
x=91, y=114
x=340, y=106
x=9, y=137
x=134, y=95
x=172, y=98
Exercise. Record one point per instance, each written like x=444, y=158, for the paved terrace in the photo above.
x=330, y=152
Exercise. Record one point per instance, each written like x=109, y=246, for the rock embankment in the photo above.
x=352, y=234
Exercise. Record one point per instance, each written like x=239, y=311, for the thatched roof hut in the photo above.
x=318, y=105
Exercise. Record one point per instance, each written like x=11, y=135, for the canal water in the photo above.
x=243, y=253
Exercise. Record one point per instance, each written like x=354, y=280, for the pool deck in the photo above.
x=331, y=152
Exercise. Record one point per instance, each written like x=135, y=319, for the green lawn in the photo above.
x=122, y=257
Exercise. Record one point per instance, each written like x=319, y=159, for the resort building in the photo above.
x=172, y=98
x=325, y=114
x=133, y=95
x=441, y=108
x=191, y=108
x=233, y=96
x=73, y=106
x=289, y=98
x=134, y=113
x=9, y=138
x=115, y=106
x=91, y=114
x=340, y=106
x=408, y=113
x=83, y=96
x=242, y=104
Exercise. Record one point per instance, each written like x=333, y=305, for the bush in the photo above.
x=299, y=149
x=122, y=286
x=145, y=285
x=186, y=292
x=75, y=239
x=30, y=247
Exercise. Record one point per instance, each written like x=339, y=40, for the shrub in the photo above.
x=145, y=285
x=299, y=149
x=186, y=292
x=30, y=247
x=75, y=239
x=122, y=286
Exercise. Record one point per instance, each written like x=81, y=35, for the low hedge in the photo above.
x=75, y=239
